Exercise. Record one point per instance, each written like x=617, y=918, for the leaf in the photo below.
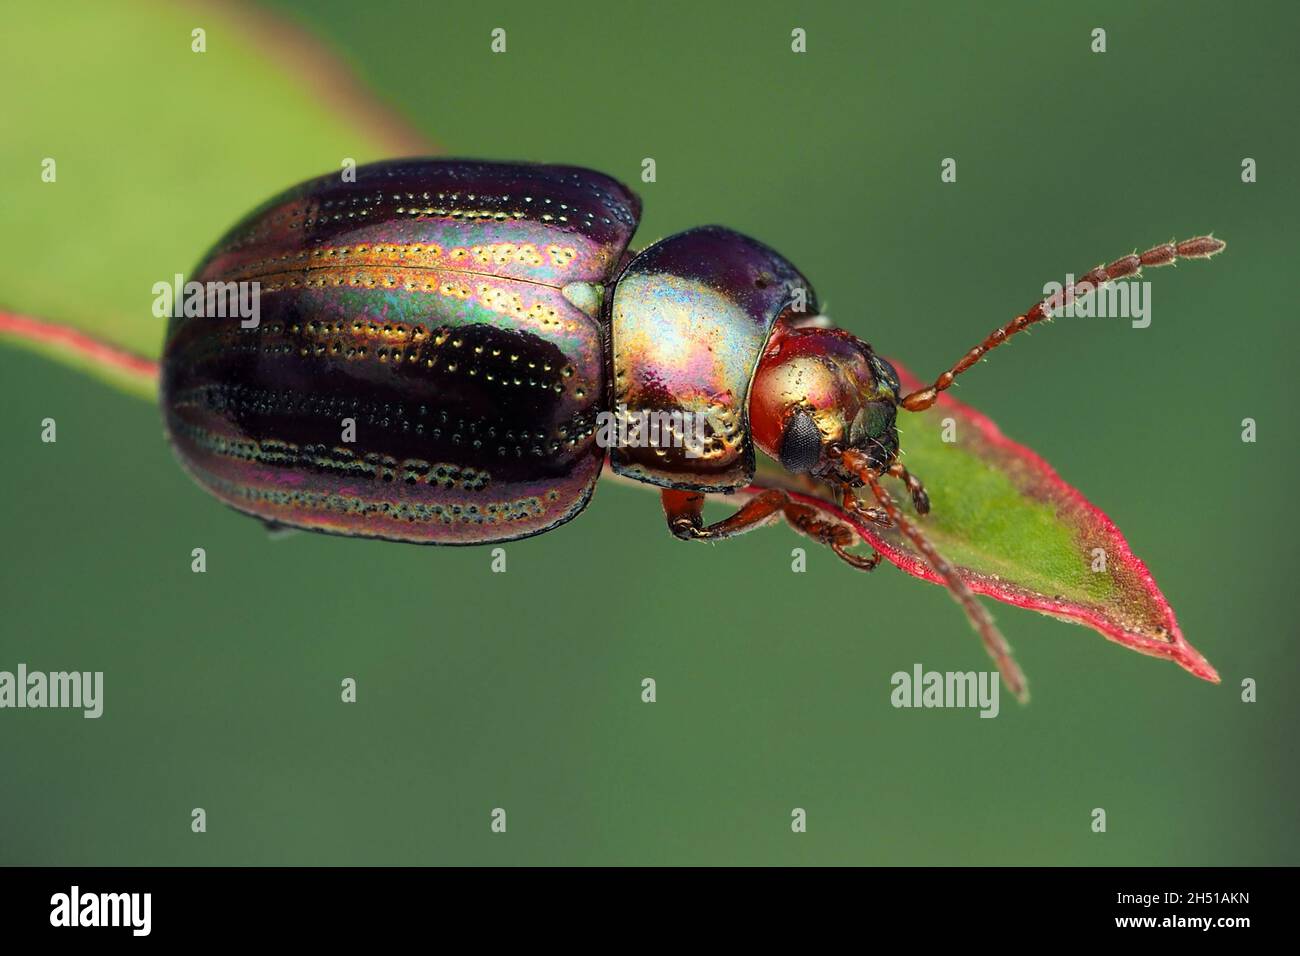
x=1015, y=530
x=172, y=147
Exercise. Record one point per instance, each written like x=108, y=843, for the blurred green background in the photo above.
x=522, y=690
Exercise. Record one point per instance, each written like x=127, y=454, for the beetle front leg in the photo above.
x=920, y=500
x=684, y=511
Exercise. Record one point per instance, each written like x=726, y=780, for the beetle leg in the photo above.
x=683, y=509
x=920, y=500
x=847, y=500
x=277, y=531
x=838, y=537
x=861, y=562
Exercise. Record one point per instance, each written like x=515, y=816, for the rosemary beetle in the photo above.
x=472, y=321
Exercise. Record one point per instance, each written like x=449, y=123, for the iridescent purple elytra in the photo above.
x=472, y=319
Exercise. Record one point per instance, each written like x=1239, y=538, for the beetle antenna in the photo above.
x=979, y=617
x=1202, y=247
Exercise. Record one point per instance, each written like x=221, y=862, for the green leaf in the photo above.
x=1015, y=530
x=172, y=147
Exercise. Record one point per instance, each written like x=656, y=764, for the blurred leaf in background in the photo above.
x=157, y=148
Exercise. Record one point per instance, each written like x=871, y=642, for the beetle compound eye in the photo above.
x=801, y=444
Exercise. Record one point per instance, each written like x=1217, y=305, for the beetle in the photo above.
x=472, y=320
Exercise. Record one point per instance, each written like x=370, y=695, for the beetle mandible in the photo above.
x=473, y=319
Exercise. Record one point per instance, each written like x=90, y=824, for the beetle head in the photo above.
x=819, y=389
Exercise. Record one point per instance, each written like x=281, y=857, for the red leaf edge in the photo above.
x=1177, y=649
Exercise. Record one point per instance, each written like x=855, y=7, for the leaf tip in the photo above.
x=1189, y=658
x=1194, y=663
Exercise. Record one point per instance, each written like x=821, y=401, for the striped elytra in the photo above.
x=432, y=303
